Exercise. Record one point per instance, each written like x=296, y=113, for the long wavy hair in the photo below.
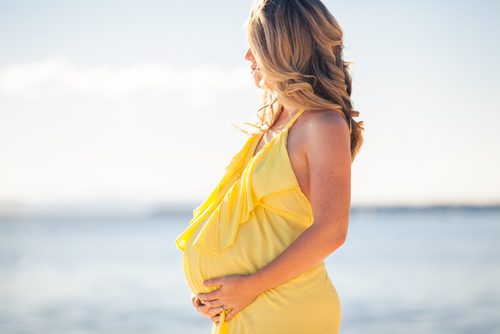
x=297, y=45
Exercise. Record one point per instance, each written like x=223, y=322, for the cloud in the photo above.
x=56, y=76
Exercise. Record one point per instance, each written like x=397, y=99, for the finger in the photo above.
x=214, y=310
x=218, y=308
x=216, y=319
x=195, y=301
x=207, y=311
x=209, y=295
x=203, y=309
x=212, y=303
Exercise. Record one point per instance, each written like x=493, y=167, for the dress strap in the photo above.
x=293, y=119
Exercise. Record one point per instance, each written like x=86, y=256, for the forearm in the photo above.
x=312, y=246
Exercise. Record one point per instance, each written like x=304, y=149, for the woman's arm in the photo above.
x=327, y=143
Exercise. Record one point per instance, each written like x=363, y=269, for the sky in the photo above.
x=134, y=100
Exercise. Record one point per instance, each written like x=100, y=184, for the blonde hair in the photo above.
x=297, y=45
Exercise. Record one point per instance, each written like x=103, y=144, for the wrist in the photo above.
x=256, y=283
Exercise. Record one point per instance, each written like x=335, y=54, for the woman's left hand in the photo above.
x=236, y=292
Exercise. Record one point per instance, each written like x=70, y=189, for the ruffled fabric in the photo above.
x=232, y=173
x=245, y=186
x=221, y=228
x=248, y=181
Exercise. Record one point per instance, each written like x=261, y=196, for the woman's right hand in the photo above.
x=204, y=309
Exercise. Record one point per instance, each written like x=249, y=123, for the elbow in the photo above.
x=331, y=236
x=337, y=238
x=343, y=238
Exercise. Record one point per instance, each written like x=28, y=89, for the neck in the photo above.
x=290, y=111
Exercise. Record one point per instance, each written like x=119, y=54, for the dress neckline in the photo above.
x=259, y=136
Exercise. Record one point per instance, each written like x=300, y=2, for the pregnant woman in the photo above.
x=253, y=252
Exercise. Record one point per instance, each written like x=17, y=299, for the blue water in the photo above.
x=400, y=271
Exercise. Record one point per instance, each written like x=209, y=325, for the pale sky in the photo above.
x=134, y=99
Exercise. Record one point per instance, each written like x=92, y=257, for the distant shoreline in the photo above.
x=127, y=211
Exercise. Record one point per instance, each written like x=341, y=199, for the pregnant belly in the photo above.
x=307, y=303
x=261, y=239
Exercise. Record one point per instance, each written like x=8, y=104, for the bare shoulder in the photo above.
x=325, y=131
x=326, y=119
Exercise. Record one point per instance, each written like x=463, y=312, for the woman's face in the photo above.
x=255, y=72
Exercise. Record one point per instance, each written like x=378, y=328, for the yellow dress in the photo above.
x=254, y=213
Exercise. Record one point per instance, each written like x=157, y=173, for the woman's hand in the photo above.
x=205, y=309
x=236, y=292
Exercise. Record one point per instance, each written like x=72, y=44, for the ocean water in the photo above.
x=400, y=271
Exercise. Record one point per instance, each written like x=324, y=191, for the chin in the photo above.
x=257, y=79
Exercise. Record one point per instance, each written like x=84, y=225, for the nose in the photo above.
x=248, y=55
